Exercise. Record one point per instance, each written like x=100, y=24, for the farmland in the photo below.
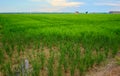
x=57, y=44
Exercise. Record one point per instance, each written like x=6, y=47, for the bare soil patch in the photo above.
x=109, y=69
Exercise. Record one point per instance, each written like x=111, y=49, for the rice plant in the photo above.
x=79, y=41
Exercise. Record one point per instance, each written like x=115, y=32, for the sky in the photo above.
x=59, y=5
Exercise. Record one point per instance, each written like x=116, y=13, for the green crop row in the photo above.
x=57, y=44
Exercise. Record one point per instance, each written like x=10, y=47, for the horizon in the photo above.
x=59, y=6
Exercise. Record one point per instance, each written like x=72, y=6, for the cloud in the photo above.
x=64, y=3
x=108, y=4
x=49, y=9
x=61, y=3
x=56, y=5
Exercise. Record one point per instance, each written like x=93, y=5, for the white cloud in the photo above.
x=108, y=4
x=56, y=5
x=48, y=9
x=61, y=3
x=64, y=3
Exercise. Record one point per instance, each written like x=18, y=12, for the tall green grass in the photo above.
x=60, y=43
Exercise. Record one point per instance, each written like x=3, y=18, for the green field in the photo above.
x=57, y=44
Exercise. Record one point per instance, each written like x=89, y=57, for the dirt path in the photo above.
x=109, y=69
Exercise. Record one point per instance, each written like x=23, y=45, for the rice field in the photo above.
x=56, y=44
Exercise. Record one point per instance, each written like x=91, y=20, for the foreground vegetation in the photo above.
x=57, y=44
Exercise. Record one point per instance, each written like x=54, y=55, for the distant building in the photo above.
x=77, y=12
x=114, y=12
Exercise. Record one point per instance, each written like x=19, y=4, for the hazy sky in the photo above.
x=59, y=5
